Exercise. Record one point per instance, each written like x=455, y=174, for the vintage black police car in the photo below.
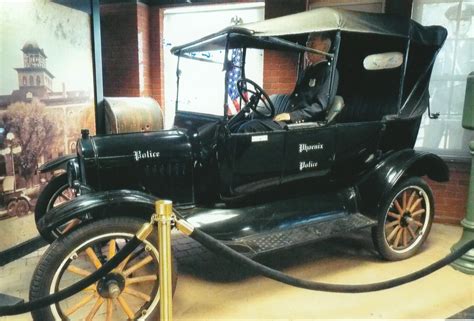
x=265, y=191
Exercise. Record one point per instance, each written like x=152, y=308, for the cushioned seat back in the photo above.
x=371, y=97
x=335, y=109
x=281, y=103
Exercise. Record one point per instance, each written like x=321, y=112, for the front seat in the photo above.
x=334, y=110
x=281, y=102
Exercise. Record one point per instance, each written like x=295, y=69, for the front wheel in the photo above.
x=54, y=194
x=129, y=292
x=405, y=220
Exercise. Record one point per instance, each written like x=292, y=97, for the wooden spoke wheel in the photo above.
x=63, y=195
x=22, y=207
x=56, y=193
x=11, y=208
x=129, y=292
x=406, y=220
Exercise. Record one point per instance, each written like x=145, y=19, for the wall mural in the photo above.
x=46, y=95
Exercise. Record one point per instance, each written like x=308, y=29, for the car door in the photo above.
x=357, y=146
x=309, y=151
x=250, y=162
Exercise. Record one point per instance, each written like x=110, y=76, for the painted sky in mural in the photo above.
x=58, y=30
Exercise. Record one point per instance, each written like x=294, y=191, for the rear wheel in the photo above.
x=405, y=220
x=54, y=194
x=11, y=208
x=129, y=292
x=22, y=207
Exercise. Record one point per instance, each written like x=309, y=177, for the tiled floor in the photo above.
x=210, y=288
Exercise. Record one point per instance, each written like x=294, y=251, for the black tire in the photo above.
x=53, y=271
x=48, y=199
x=405, y=217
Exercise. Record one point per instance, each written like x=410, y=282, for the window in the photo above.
x=445, y=136
x=202, y=83
x=25, y=81
x=38, y=81
x=32, y=82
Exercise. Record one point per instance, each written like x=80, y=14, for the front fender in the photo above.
x=58, y=163
x=375, y=186
x=137, y=203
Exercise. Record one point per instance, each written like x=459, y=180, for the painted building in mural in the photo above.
x=70, y=109
x=36, y=81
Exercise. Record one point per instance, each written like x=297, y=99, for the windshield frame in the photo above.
x=267, y=42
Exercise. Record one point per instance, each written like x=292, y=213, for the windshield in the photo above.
x=203, y=78
x=201, y=82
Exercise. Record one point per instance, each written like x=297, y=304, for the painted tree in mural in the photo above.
x=34, y=130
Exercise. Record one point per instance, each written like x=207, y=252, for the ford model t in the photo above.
x=260, y=191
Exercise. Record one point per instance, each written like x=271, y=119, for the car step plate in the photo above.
x=284, y=238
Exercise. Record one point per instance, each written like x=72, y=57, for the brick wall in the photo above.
x=120, y=49
x=144, y=67
x=279, y=72
x=157, y=55
x=451, y=197
x=279, y=68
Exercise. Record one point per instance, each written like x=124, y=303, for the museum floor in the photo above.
x=212, y=289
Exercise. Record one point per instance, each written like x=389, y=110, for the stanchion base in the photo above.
x=6, y=299
x=465, y=263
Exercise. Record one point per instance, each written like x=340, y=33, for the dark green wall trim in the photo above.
x=97, y=67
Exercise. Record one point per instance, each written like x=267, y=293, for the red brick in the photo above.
x=119, y=48
x=451, y=197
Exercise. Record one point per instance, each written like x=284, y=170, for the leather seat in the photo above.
x=281, y=102
x=331, y=116
x=335, y=109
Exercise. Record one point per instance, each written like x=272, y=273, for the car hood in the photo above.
x=135, y=147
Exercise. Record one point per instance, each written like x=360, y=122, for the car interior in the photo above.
x=369, y=94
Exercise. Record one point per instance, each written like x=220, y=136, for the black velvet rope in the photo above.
x=76, y=287
x=220, y=248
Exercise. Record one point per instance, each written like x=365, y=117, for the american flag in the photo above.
x=233, y=76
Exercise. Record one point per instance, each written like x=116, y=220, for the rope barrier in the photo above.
x=220, y=248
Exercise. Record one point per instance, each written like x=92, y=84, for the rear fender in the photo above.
x=122, y=202
x=58, y=163
x=375, y=186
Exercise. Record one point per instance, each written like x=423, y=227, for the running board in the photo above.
x=278, y=239
x=18, y=251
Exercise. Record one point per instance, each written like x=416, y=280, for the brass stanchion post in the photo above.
x=163, y=217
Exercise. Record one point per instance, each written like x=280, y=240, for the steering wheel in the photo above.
x=258, y=95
